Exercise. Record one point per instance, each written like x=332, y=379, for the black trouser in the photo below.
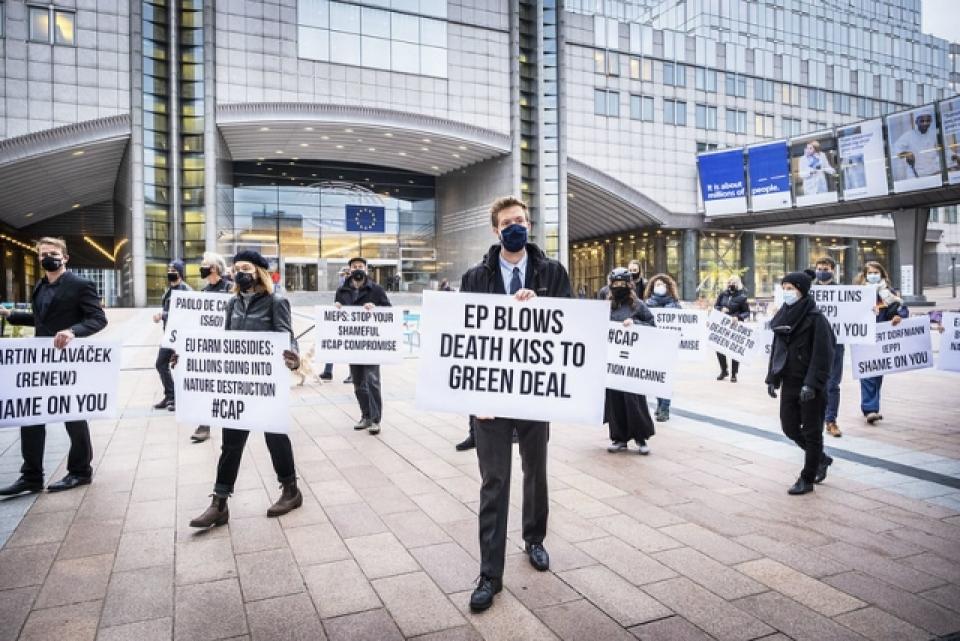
x=803, y=424
x=33, y=438
x=281, y=452
x=735, y=365
x=494, y=453
x=163, y=367
x=366, y=386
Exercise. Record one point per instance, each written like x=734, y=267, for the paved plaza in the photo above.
x=697, y=541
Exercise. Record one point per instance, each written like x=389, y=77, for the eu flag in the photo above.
x=366, y=218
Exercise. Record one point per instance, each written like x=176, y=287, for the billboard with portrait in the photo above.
x=722, y=182
x=769, y=173
x=914, y=149
x=813, y=168
x=950, y=125
x=863, y=163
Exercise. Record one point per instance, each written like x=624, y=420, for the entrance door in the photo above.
x=299, y=277
x=384, y=275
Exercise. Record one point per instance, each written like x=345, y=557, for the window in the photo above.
x=790, y=95
x=763, y=89
x=1, y=19
x=841, y=103
x=641, y=108
x=39, y=24
x=706, y=117
x=865, y=107
x=41, y=20
x=675, y=112
x=706, y=79
x=606, y=103
x=791, y=127
x=736, y=121
x=736, y=85
x=706, y=146
x=817, y=125
x=599, y=62
x=641, y=69
x=763, y=125
x=817, y=99
x=674, y=74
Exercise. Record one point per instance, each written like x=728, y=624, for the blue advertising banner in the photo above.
x=371, y=218
x=769, y=168
x=722, y=182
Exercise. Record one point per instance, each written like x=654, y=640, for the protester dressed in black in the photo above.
x=733, y=302
x=65, y=306
x=175, y=275
x=800, y=363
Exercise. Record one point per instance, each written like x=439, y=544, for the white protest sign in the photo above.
x=764, y=338
x=194, y=311
x=898, y=349
x=233, y=379
x=906, y=280
x=692, y=325
x=849, y=308
x=490, y=355
x=42, y=384
x=731, y=337
x=354, y=335
x=641, y=359
x=950, y=343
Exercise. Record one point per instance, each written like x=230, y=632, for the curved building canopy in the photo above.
x=361, y=135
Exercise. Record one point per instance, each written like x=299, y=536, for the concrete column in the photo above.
x=910, y=227
x=801, y=252
x=660, y=254
x=851, y=261
x=690, y=265
x=748, y=261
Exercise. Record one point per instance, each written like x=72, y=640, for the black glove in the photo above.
x=807, y=394
x=772, y=390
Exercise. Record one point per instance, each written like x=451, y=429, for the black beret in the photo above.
x=250, y=256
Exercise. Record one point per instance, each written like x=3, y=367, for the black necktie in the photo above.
x=515, y=283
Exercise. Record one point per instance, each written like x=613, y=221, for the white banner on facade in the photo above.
x=914, y=149
x=950, y=123
x=642, y=359
x=692, y=325
x=42, y=384
x=849, y=308
x=233, y=379
x=898, y=349
x=490, y=355
x=863, y=163
x=189, y=311
x=950, y=343
x=354, y=335
x=731, y=337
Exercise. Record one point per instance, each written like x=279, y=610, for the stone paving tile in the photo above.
x=563, y=555
x=619, y=599
x=87, y=538
x=441, y=507
x=802, y=559
x=581, y=503
x=66, y=623
x=388, y=500
x=448, y=565
x=255, y=534
x=14, y=607
x=670, y=629
x=948, y=596
x=795, y=620
x=269, y=573
x=145, y=549
x=203, y=559
x=286, y=618
x=644, y=511
x=416, y=604
x=317, y=543
x=883, y=568
x=36, y=529
x=75, y=581
x=814, y=594
x=150, y=515
x=209, y=611
x=375, y=625
x=20, y=567
x=711, y=574
x=713, y=545
x=934, y=565
x=946, y=548
x=339, y=588
x=463, y=633
x=138, y=595
x=415, y=529
x=633, y=565
x=507, y=619
x=59, y=501
x=355, y=519
x=707, y=611
x=152, y=630
x=531, y=587
x=879, y=626
x=103, y=506
x=643, y=537
x=581, y=619
x=381, y=555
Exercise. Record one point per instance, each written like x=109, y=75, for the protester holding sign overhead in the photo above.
x=889, y=307
x=256, y=308
x=626, y=413
x=733, y=302
x=65, y=307
x=521, y=269
x=662, y=292
x=175, y=276
x=213, y=268
x=800, y=362
x=826, y=269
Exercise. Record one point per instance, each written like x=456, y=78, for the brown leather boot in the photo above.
x=290, y=499
x=217, y=514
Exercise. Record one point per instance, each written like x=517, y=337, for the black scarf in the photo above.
x=784, y=323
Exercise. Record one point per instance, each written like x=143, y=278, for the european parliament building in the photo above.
x=147, y=130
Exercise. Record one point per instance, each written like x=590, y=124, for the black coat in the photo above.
x=369, y=292
x=736, y=303
x=544, y=276
x=222, y=287
x=803, y=355
x=261, y=313
x=638, y=311
x=75, y=306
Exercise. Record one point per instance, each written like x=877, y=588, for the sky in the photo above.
x=942, y=18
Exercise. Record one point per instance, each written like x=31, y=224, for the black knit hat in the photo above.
x=800, y=280
x=250, y=256
x=177, y=266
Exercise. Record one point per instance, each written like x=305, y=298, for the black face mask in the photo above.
x=173, y=277
x=205, y=272
x=51, y=263
x=620, y=293
x=732, y=289
x=244, y=280
x=635, y=276
x=358, y=275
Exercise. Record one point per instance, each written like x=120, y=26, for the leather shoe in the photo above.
x=825, y=462
x=539, y=558
x=467, y=444
x=202, y=434
x=482, y=597
x=162, y=404
x=68, y=482
x=20, y=486
x=800, y=487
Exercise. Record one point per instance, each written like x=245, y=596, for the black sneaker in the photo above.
x=482, y=597
x=326, y=377
x=467, y=444
x=825, y=462
x=722, y=376
x=162, y=404
x=800, y=487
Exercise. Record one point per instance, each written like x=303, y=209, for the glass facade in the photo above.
x=774, y=257
x=591, y=261
x=190, y=142
x=719, y=260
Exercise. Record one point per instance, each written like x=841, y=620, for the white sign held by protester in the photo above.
x=849, y=308
x=233, y=379
x=692, y=325
x=194, y=311
x=642, y=359
x=950, y=343
x=42, y=384
x=491, y=355
x=731, y=337
x=898, y=349
x=355, y=335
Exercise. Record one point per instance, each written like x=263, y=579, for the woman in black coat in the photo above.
x=800, y=363
x=733, y=302
x=626, y=413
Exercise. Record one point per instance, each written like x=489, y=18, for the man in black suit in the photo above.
x=519, y=268
x=65, y=306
